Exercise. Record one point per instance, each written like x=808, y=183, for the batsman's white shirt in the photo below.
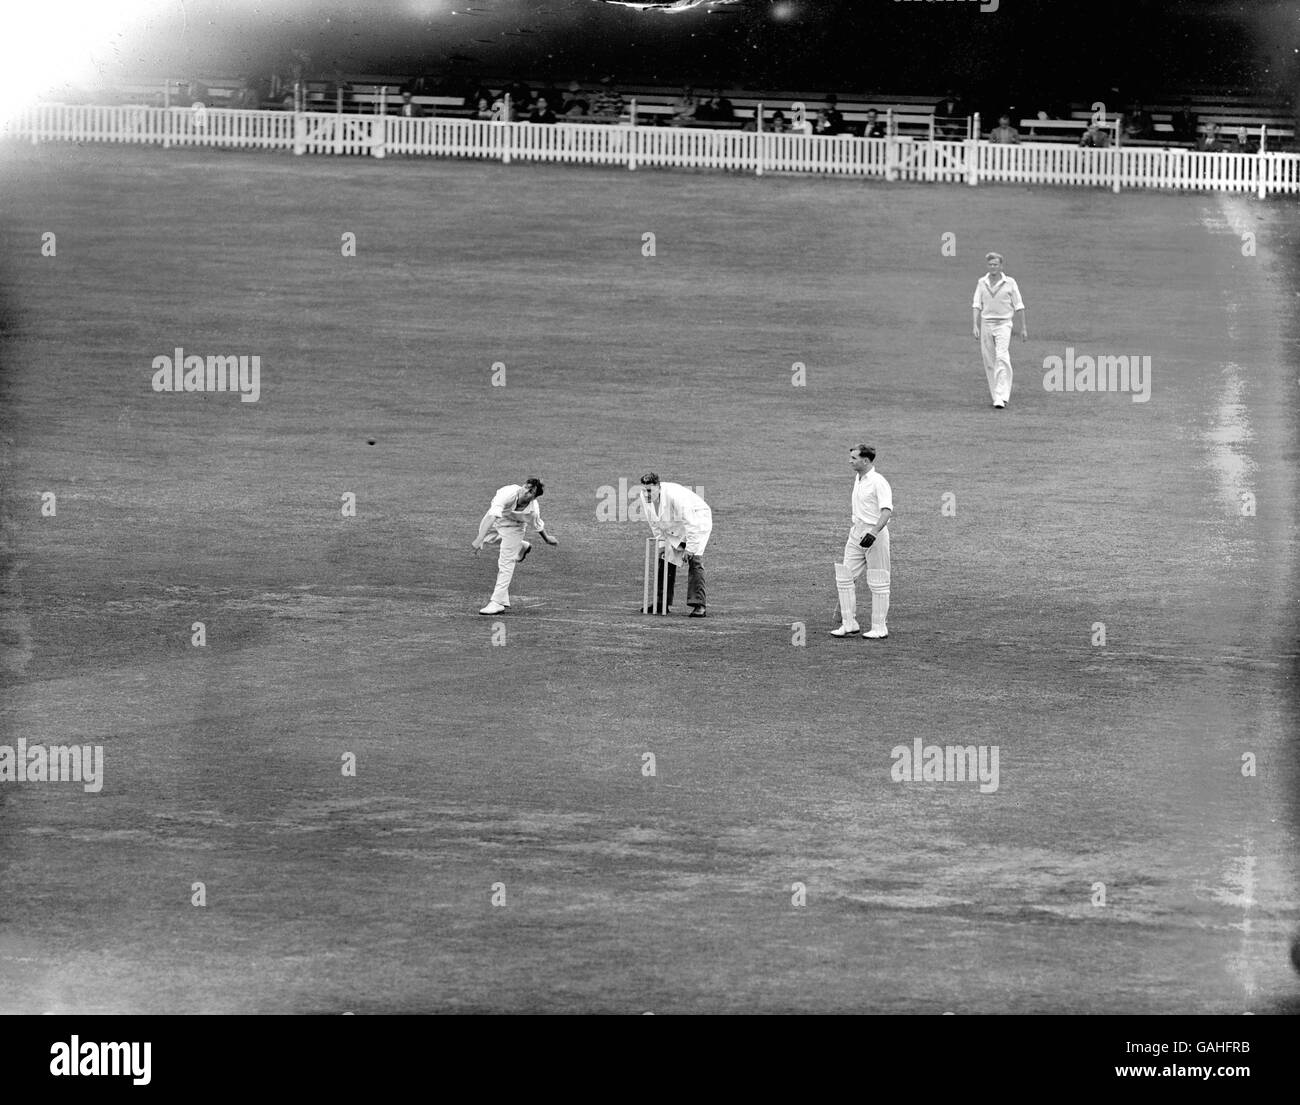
x=1000, y=303
x=682, y=515
x=871, y=495
x=507, y=517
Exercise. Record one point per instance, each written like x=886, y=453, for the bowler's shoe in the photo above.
x=528, y=547
x=845, y=630
x=876, y=634
x=494, y=608
x=698, y=612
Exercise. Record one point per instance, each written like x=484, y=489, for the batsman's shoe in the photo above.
x=494, y=608
x=876, y=634
x=528, y=547
x=845, y=630
x=698, y=612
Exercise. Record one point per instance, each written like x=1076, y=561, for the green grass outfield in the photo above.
x=522, y=763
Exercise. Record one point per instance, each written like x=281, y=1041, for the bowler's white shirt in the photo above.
x=503, y=508
x=871, y=495
x=1000, y=303
x=681, y=514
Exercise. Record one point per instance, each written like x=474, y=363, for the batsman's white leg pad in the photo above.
x=848, y=594
x=878, y=581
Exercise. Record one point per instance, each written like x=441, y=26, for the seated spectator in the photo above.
x=1095, y=137
x=485, y=108
x=1211, y=141
x=482, y=92
x=1004, y=132
x=609, y=101
x=247, y=97
x=1138, y=122
x=683, y=108
x=542, y=112
x=1185, y=122
x=575, y=101
x=829, y=120
x=779, y=123
x=704, y=112
x=873, y=127
x=409, y=108
x=521, y=96
x=551, y=95
x=950, y=117
x=723, y=109
x=196, y=92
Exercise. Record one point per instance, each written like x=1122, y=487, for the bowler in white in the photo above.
x=997, y=308
x=514, y=508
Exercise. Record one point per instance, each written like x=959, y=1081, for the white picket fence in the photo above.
x=969, y=162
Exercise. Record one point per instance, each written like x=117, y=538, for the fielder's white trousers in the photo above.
x=995, y=344
x=875, y=562
x=512, y=544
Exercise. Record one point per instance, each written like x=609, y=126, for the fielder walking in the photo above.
x=513, y=508
x=681, y=522
x=996, y=308
x=867, y=548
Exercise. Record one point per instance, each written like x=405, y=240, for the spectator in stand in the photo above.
x=873, y=127
x=1138, y=122
x=521, y=97
x=829, y=120
x=704, y=112
x=779, y=124
x=575, y=101
x=484, y=108
x=196, y=92
x=480, y=93
x=609, y=101
x=1095, y=137
x=1004, y=132
x=723, y=109
x=1185, y=122
x=1211, y=141
x=410, y=109
x=683, y=108
x=542, y=112
x=552, y=95
x=247, y=97
x=950, y=117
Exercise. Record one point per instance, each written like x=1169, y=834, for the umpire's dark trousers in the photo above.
x=694, y=582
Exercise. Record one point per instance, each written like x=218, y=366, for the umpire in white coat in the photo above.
x=682, y=522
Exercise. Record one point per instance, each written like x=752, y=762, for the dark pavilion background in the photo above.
x=1071, y=49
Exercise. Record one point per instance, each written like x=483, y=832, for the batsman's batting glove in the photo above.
x=868, y=540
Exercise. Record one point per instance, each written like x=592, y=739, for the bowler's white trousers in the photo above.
x=995, y=344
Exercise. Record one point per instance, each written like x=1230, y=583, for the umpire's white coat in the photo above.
x=682, y=516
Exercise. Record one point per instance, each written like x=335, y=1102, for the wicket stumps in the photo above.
x=649, y=581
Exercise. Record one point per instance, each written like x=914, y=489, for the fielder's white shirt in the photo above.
x=871, y=495
x=681, y=514
x=503, y=509
x=997, y=304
